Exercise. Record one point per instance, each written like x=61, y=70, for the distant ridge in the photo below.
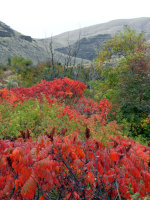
x=90, y=39
x=96, y=35
x=139, y=24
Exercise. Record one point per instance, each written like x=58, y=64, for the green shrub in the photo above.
x=37, y=118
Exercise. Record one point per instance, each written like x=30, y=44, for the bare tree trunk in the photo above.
x=52, y=57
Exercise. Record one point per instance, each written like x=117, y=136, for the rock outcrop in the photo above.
x=27, y=38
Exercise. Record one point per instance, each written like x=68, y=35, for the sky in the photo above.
x=45, y=18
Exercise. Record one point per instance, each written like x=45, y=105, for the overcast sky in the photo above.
x=44, y=18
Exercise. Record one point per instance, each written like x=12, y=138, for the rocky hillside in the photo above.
x=82, y=43
x=13, y=44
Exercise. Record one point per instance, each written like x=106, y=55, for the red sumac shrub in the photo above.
x=67, y=168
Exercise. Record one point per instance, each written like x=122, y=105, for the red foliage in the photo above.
x=74, y=169
x=67, y=165
x=59, y=90
x=89, y=107
x=55, y=90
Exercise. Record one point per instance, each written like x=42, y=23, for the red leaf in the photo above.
x=114, y=156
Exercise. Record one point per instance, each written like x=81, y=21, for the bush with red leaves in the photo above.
x=66, y=168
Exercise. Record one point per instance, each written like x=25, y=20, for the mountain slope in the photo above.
x=93, y=37
x=111, y=27
x=13, y=44
x=88, y=40
x=88, y=46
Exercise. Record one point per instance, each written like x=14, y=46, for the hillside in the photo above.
x=13, y=44
x=88, y=39
x=96, y=35
x=111, y=27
